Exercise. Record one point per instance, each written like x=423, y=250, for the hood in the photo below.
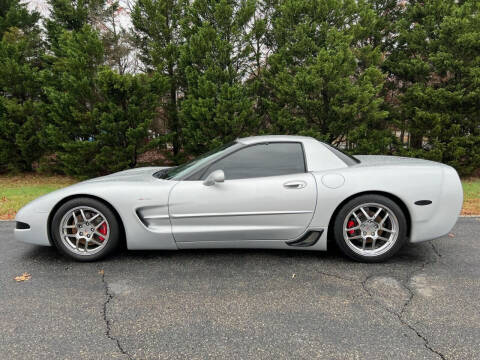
x=137, y=174
x=97, y=186
x=384, y=160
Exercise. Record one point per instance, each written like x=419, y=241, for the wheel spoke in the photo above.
x=384, y=219
x=373, y=243
x=94, y=217
x=356, y=218
x=355, y=237
x=74, y=218
x=364, y=242
x=83, y=215
x=100, y=235
x=377, y=213
x=352, y=228
x=92, y=240
x=364, y=213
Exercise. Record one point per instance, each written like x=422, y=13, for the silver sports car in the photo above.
x=279, y=192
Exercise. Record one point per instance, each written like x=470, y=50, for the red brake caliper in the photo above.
x=350, y=224
x=102, y=230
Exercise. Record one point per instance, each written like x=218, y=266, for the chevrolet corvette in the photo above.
x=276, y=192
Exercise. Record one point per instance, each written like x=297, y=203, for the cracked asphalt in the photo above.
x=239, y=304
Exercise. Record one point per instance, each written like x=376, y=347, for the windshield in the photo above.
x=179, y=171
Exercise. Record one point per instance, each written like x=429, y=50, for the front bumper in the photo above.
x=31, y=227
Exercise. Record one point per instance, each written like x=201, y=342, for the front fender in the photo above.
x=123, y=196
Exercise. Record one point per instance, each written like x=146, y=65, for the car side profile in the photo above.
x=277, y=192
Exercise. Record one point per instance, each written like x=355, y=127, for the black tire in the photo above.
x=114, y=229
x=365, y=199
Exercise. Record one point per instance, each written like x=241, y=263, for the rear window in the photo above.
x=346, y=158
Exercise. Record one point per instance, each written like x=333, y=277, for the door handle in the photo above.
x=296, y=184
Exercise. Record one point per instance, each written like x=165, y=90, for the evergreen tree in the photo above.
x=436, y=65
x=20, y=103
x=323, y=81
x=117, y=42
x=14, y=14
x=72, y=93
x=124, y=117
x=157, y=32
x=98, y=119
x=259, y=47
x=72, y=15
x=217, y=106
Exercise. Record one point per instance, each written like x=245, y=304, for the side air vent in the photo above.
x=22, y=226
x=155, y=218
x=309, y=239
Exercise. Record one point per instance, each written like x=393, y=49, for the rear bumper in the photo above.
x=446, y=210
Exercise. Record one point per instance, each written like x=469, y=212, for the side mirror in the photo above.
x=214, y=177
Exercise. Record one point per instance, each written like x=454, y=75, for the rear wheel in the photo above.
x=370, y=228
x=85, y=229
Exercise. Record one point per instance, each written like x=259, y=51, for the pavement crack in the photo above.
x=400, y=314
x=108, y=332
x=435, y=250
x=335, y=276
x=413, y=272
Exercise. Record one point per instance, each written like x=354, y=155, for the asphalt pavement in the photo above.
x=243, y=304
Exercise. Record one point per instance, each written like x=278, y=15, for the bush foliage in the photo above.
x=84, y=95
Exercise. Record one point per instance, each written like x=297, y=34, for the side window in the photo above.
x=260, y=160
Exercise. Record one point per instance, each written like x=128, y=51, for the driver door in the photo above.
x=267, y=195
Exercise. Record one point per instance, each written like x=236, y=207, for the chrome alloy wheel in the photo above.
x=84, y=230
x=370, y=229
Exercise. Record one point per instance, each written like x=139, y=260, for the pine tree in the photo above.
x=436, y=64
x=14, y=14
x=124, y=117
x=157, y=32
x=117, y=42
x=98, y=118
x=259, y=46
x=323, y=80
x=72, y=93
x=217, y=106
x=72, y=15
x=20, y=103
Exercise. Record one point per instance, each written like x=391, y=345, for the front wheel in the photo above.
x=370, y=228
x=85, y=229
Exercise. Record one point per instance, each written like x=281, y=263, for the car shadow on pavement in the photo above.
x=411, y=254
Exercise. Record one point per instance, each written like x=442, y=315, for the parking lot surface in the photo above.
x=243, y=304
